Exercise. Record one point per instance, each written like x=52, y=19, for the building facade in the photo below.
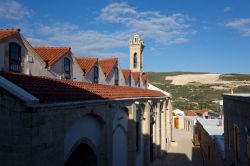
x=209, y=134
x=78, y=123
x=237, y=125
x=57, y=109
x=17, y=55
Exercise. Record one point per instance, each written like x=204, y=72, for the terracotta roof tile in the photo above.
x=86, y=64
x=144, y=77
x=195, y=112
x=136, y=75
x=4, y=33
x=51, y=54
x=107, y=65
x=51, y=90
x=190, y=113
x=126, y=73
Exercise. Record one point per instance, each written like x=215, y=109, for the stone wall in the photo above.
x=47, y=134
x=236, y=114
x=210, y=151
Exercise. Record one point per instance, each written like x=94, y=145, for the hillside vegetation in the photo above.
x=199, y=95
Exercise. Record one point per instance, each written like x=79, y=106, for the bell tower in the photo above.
x=136, y=46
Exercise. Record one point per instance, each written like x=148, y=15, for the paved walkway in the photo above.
x=182, y=152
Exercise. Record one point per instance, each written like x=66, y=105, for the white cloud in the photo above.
x=227, y=9
x=150, y=24
x=13, y=10
x=243, y=25
x=83, y=43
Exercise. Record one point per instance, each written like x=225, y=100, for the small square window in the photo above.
x=30, y=59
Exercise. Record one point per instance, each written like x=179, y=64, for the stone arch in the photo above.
x=120, y=138
x=85, y=130
x=83, y=153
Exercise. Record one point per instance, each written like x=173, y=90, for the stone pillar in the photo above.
x=132, y=135
x=169, y=121
x=158, y=129
x=163, y=127
x=146, y=134
x=154, y=135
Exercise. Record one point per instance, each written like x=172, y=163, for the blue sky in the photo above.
x=192, y=35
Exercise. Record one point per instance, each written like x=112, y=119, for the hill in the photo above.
x=193, y=90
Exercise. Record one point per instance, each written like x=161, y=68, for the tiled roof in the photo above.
x=51, y=90
x=51, y=54
x=4, y=33
x=86, y=64
x=195, y=112
x=190, y=113
x=136, y=75
x=144, y=77
x=126, y=73
x=107, y=65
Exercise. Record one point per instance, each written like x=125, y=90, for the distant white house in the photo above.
x=178, y=112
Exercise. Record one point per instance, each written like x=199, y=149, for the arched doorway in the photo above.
x=83, y=155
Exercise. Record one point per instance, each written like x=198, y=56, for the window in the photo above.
x=129, y=81
x=15, y=57
x=236, y=143
x=139, y=83
x=135, y=60
x=116, y=76
x=67, y=65
x=96, y=74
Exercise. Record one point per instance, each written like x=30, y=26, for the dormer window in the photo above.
x=67, y=65
x=15, y=57
x=84, y=72
x=129, y=81
x=116, y=76
x=135, y=60
x=46, y=64
x=96, y=74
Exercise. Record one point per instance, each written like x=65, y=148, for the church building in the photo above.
x=51, y=120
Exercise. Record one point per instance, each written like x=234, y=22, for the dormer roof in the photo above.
x=86, y=64
x=144, y=77
x=136, y=75
x=107, y=65
x=51, y=54
x=4, y=33
x=126, y=73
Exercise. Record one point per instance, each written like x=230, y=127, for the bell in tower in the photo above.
x=136, y=46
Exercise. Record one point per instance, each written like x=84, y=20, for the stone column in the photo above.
x=163, y=127
x=154, y=135
x=131, y=135
x=146, y=134
x=158, y=129
x=169, y=121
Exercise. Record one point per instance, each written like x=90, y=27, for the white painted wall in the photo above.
x=57, y=69
x=110, y=79
x=34, y=67
x=102, y=78
x=78, y=73
x=87, y=127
